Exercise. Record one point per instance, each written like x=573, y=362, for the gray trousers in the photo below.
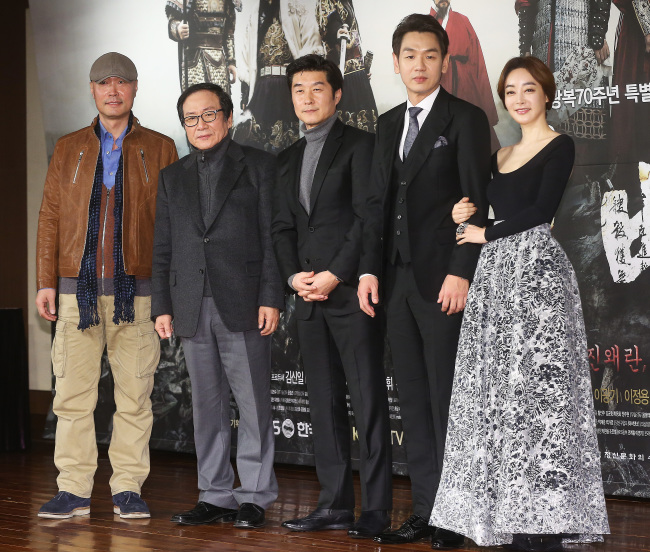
x=219, y=360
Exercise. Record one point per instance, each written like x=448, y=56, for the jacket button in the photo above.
x=306, y=261
x=311, y=228
x=200, y=271
x=401, y=200
x=403, y=183
x=399, y=232
x=206, y=240
x=399, y=217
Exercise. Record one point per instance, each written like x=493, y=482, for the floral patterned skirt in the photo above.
x=521, y=454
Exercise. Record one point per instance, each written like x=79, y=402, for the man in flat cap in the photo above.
x=94, y=245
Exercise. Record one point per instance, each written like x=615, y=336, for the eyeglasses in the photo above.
x=207, y=116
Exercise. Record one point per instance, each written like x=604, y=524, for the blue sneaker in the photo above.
x=129, y=505
x=65, y=505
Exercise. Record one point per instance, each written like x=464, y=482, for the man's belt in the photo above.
x=275, y=70
x=207, y=40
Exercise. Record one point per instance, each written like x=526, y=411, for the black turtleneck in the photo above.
x=210, y=163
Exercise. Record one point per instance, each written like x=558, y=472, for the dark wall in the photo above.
x=13, y=160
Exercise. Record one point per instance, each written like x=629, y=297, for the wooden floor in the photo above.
x=27, y=480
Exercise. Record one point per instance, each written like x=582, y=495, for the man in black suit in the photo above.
x=429, y=153
x=318, y=210
x=215, y=278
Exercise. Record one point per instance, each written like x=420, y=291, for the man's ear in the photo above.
x=445, y=63
x=395, y=64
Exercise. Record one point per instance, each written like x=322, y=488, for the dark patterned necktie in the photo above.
x=412, y=132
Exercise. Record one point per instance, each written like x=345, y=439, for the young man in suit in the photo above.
x=429, y=153
x=216, y=280
x=318, y=210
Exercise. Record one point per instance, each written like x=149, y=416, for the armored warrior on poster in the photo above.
x=205, y=32
x=569, y=37
x=339, y=27
x=630, y=118
x=277, y=32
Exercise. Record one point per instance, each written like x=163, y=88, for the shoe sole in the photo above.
x=359, y=536
x=131, y=515
x=225, y=518
x=334, y=527
x=248, y=525
x=67, y=515
x=401, y=541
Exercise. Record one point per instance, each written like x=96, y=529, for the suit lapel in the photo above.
x=190, y=183
x=331, y=146
x=393, y=131
x=230, y=172
x=435, y=123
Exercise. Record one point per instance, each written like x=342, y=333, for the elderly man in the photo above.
x=95, y=240
x=216, y=280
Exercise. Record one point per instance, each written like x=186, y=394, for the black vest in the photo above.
x=398, y=233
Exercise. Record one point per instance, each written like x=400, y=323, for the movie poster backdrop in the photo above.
x=599, y=52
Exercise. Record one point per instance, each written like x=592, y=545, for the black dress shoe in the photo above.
x=204, y=512
x=250, y=516
x=443, y=539
x=322, y=519
x=413, y=529
x=370, y=524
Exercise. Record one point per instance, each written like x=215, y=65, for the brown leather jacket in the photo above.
x=63, y=218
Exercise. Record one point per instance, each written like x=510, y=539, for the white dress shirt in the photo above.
x=426, y=105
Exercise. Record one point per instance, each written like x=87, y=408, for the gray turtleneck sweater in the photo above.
x=315, y=138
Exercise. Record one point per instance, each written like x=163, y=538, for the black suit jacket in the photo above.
x=449, y=159
x=235, y=248
x=329, y=237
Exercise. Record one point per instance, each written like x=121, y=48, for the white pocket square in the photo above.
x=440, y=142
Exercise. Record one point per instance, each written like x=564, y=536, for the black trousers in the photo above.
x=423, y=342
x=336, y=349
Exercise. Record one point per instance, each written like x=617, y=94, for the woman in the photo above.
x=522, y=466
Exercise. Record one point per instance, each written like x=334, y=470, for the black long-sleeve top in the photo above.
x=530, y=195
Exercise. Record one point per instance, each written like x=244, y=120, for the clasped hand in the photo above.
x=314, y=287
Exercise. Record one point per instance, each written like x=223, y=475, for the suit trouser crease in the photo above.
x=423, y=342
x=336, y=349
x=218, y=361
x=133, y=353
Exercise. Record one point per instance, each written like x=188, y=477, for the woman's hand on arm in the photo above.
x=471, y=234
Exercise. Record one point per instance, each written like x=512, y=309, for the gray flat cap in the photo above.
x=113, y=64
